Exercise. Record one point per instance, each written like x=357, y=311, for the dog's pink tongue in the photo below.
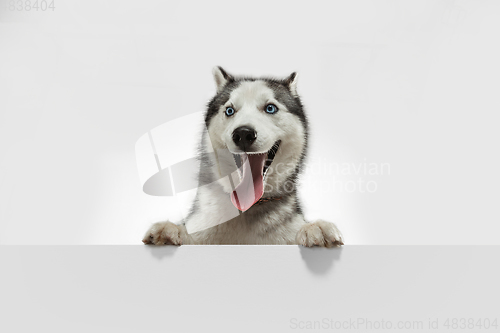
x=251, y=188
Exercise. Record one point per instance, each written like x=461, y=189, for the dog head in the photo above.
x=258, y=127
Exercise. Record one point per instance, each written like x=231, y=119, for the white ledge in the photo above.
x=242, y=288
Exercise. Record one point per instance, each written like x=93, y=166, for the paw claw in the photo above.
x=319, y=233
x=163, y=233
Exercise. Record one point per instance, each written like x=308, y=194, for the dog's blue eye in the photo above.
x=229, y=111
x=271, y=108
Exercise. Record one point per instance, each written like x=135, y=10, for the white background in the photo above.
x=413, y=84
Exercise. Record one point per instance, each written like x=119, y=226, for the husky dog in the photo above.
x=251, y=156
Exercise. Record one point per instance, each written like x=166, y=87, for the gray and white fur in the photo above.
x=278, y=220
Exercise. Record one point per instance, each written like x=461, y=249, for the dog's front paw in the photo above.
x=319, y=233
x=164, y=233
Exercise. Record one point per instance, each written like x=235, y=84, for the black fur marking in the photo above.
x=283, y=94
x=220, y=99
x=279, y=87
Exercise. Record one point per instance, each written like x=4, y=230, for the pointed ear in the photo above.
x=291, y=83
x=221, y=77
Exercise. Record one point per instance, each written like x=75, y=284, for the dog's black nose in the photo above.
x=244, y=136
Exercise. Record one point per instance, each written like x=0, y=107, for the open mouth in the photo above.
x=252, y=169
